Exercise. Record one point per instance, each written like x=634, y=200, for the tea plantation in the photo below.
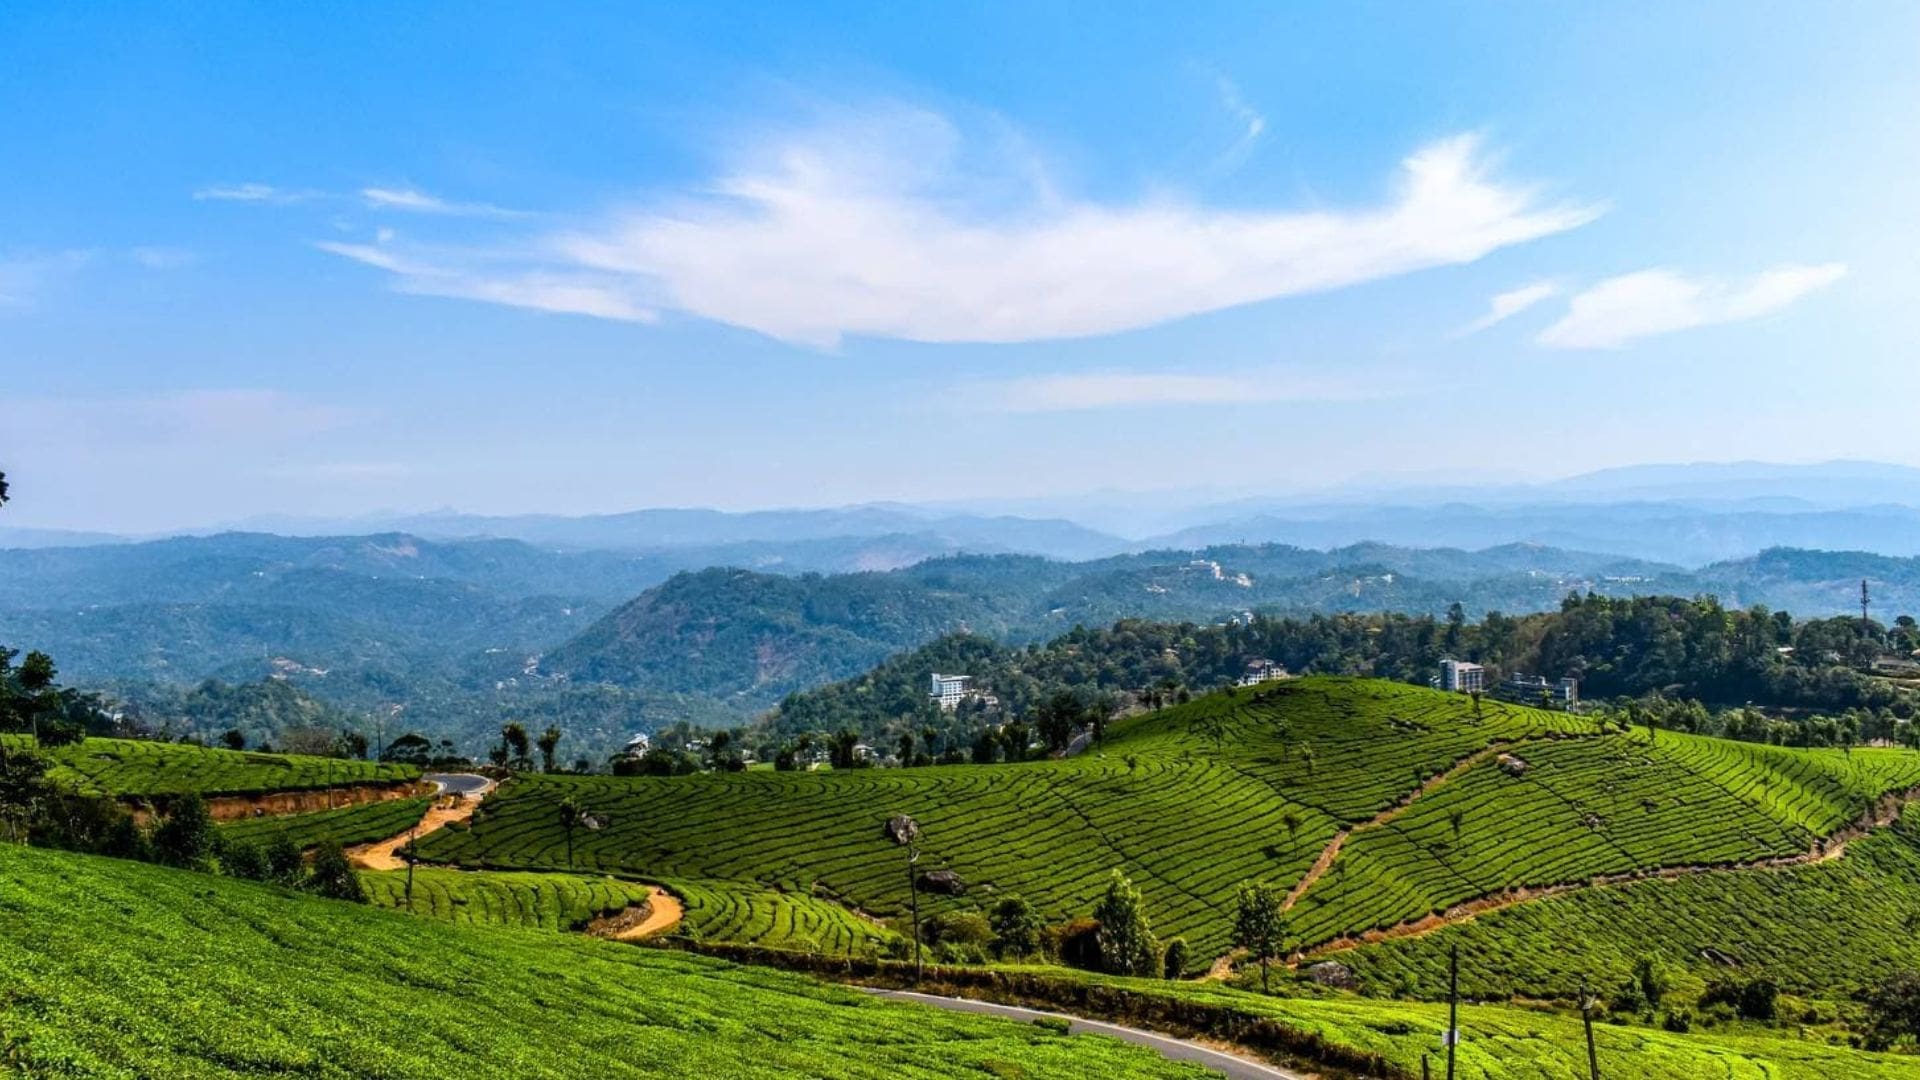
x=1818, y=931
x=348, y=825
x=731, y=911
x=1192, y=800
x=122, y=969
x=503, y=898
x=128, y=767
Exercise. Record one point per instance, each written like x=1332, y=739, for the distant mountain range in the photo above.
x=1688, y=515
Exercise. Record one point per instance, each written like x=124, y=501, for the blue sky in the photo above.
x=264, y=259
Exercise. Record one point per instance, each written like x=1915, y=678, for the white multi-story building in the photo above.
x=1261, y=671
x=1462, y=677
x=950, y=690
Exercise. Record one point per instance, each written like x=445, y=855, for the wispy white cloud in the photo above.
x=1122, y=389
x=1252, y=125
x=163, y=258
x=26, y=276
x=894, y=228
x=464, y=276
x=413, y=201
x=1506, y=305
x=251, y=192
x=1627, y=308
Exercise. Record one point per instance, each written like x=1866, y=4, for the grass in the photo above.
x=1192, y=800
x=362, y=824
x=533, y=901
x=133, y=767
x=119, y=969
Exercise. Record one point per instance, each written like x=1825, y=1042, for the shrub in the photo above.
x=1176, y=960
x=1016, y=929
x=1076, y=943
x=244, y=860
x=1678, y=1021
x=186, y=838
x=333, y=876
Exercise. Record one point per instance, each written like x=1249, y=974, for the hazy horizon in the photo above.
x=740, y=258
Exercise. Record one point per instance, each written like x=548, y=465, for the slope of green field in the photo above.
x=1817, y=930
x=731, y=911
x=121, y=969
x=134, y=767
x=1192, y=800
x=535, y=901
x=1505, y=1042
x=348, y=825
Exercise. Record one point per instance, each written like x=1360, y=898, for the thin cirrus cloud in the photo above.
x=1624, y=309
x=419, y=202
x=1118, y=389
x=455, y=275
x=1506, y=305
x=879, y=232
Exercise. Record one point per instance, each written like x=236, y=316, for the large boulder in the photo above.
x=1337, y=975
x=945, y=882
x=901, y=829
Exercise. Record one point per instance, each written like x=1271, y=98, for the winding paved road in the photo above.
x=468, y=785
x=1231, y=1066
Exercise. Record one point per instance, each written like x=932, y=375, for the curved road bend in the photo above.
x=467, y=785
x=1231, y=1066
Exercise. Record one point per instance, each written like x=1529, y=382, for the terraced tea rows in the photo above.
x=111, y=968
x=1192, y=800
x=1562, y=812
x=128, y=767
x=347, y=825
x=1814, y=930
x=730, y=911
x=533, y=901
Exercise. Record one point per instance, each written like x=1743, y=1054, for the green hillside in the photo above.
x=348, y=825
x=1192, y=800
x=503, y=897
x=119, y=969
x=1817, y=931
x=133, y=767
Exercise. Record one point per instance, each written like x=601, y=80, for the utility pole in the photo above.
x=1865, y=600
x=1453, y=1006
x=1586, y=1018
x=913, y=890
x=411, y=831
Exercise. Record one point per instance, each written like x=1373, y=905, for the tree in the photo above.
x=234, y=739
x=1652, y=980
x=548, y=742
x=1176, y=958
x=22, y=787
x=284, y=864
x=1291, y=820
x=186, y=838
x=333, y=876
x=1893, y=1007
x=1058, y=719
x=1127, y=944
x=1016, y=927
x=572, y=816
x=244, y=860
x=513, y=735
x=3, y=489
x=1258, y=923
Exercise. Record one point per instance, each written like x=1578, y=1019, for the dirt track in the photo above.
x=384, y=854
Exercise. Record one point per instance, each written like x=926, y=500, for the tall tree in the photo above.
x=572, y=816
x=1127, y=944
x=513, y=735
x=1257, y=923
x=548, y=742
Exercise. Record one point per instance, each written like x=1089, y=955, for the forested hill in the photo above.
x=759, y=636
x=1618, y=647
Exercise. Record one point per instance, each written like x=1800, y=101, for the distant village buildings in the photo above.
x=1538, y=690
x=1263, y=671
x=950, y=690
x=1460, y=677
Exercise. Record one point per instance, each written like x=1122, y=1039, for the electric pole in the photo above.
x=913, y=891
x=1586, y=1019
x=1453, y=1006
x=1865, y=600
x=410, y=837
